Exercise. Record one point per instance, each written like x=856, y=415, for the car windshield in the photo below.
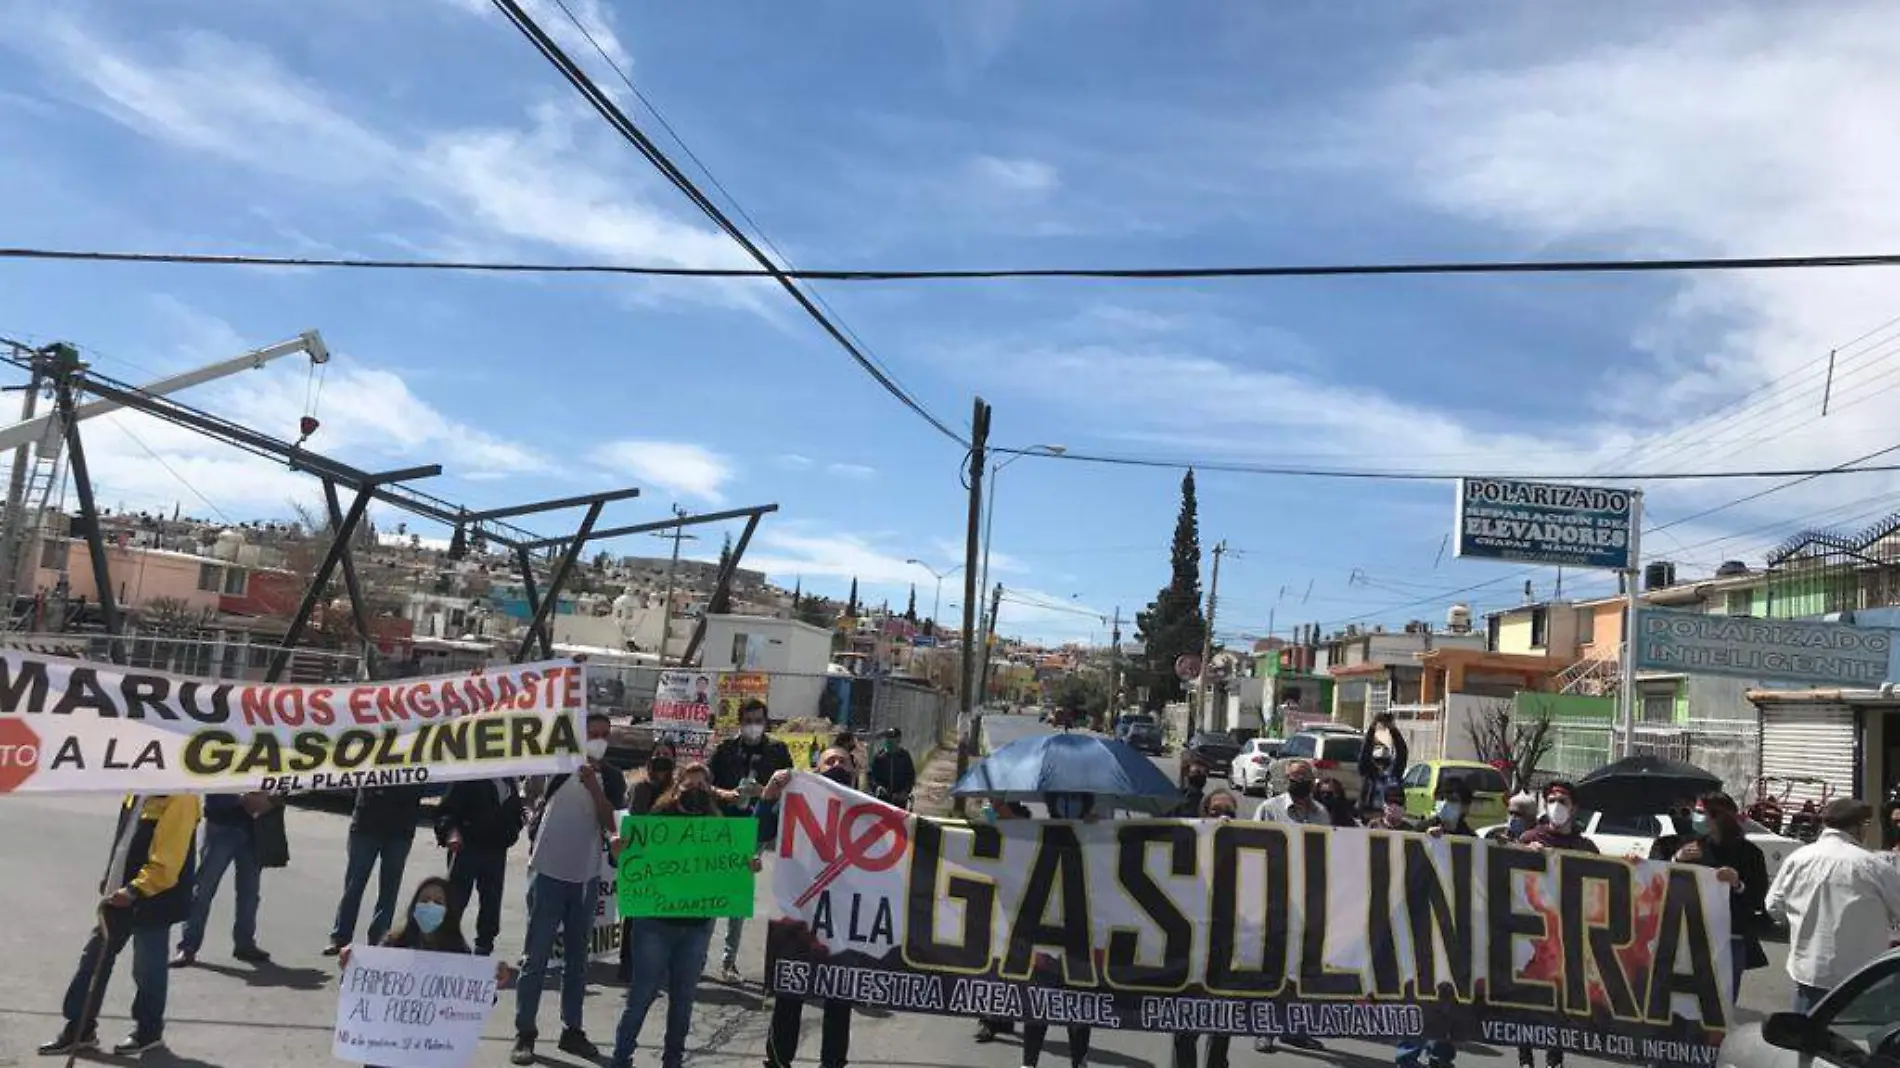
x=1483, y=780
x=1211, y=739
x=1871, y=1011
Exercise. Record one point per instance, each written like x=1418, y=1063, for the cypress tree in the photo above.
x=1173, y=622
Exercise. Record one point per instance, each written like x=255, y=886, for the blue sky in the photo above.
x=910, y=134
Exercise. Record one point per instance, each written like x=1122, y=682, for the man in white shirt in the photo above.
x=1840, y=901
x=1294, y=806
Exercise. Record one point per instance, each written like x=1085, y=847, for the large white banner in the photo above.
x=405, y=1008
x=74, y=726
x=1235, y=927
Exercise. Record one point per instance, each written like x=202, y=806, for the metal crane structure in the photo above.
x=60, y=366
x=37, y=441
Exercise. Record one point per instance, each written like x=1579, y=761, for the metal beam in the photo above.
x=663, y=524
x=358, y=610
x=526, y=562
x=89, y=516
x=555, y=582
x=722, y=589
x=549, y=506
x=339, y=547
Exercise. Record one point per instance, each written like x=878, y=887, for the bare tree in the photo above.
x=1516, y=744
x=170, y=617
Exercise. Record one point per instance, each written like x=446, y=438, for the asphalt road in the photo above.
x=224, y=1013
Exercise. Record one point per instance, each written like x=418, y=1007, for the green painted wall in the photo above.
x=1569, y=707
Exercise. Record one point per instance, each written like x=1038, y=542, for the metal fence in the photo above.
x=203, y=657
x=1728, y=749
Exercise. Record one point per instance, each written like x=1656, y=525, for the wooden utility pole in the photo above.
x=1115, y=667
x=666, y=604
x=989, y=638
x=972, y=547
x=1207, y=641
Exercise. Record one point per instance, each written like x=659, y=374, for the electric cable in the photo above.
x=119, y=424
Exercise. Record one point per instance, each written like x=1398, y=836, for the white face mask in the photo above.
x=1560, y=814
x=597, y=749
x=752, y=732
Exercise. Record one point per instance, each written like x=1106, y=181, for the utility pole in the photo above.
x=979, y=457
x=666, y=606
x=989, y=636
x=1115, y=667
x=1207, y=641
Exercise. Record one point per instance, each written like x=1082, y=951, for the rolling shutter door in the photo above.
x=1807, y=741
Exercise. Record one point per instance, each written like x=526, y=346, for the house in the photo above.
x=1373, y=670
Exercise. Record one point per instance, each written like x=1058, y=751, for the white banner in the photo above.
x=603, y=941
x=683, y=704
x=73, y=726
x=1236, y=927
x=405, y=1008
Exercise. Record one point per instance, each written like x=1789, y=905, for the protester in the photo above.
x=478, y=821
x=153, y=891
x=640, y=799
x=1193, y=790
x=1722, y=844
x=1892, y=829
x=432, y=925
x=1682, y=815
x=669, y=950
x=893, y=773
x=742, y=764
x=231, y=841
x=1841, y=902
x=1383, y=757
x=1452, y=806
x=988, y=1027
x=781, y=1041
x=1520, y=818
x=1219, y=805
x=1560, y=831
x=1392, y=815
x=1295, y=806
x=1330, y=794
x=382, y=828
x=1061, y=807
x=576, y=816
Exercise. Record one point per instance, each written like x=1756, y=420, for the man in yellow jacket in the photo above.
x=147, y=890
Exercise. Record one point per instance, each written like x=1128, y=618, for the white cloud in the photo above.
x=856, y=471
x=591, y=14
x=1020, y=176
x=680, y=467
x=792, y=461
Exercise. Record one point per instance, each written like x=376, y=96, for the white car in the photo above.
x=1631, y=837
x=1249, y=771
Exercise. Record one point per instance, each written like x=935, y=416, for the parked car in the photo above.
x=1145, y=738
x=1633, y=836
x=1857, y=1025
x=1128, y=719
x=1248, y=772
x=1212, y=750
x=1488, y=788
x=1333, y=752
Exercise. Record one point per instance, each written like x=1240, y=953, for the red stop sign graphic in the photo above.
x=19, y=753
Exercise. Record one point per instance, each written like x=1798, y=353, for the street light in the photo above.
x=936, y=602
x=989, y=521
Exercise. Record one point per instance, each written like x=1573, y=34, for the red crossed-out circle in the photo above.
x=854, y=848
x=19, y=753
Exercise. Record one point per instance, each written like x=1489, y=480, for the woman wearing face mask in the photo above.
x=670, y=949
x=781, y=1040
x=1720, y=843
x=1193, y=790
x=1392, y=815
x=1219, y=805
x=1448, y=818
x=1330, y=793
x=1061, y=807
x=431, y=924
x=1560, y=831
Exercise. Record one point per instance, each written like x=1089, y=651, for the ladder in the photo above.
x=24, y=521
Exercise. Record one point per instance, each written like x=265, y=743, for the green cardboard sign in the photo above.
x=687, y=866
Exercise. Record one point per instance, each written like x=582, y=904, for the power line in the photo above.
x=182, y=480
x=625, y=127
x=974, y=274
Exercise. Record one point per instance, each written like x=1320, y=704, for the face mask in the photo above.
x=1699, y=822
x=841, y=774
x=429, y=915
x=987, y=813
x=1300, y=789
x=1197, y=782
x=1450, y=812
x=1560, y=814
x=1222, y=814
x=752, y=732
x=697, y=801
x=660, y=768
x=596, y=749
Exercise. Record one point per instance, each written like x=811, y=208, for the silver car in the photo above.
x=1856, y=1026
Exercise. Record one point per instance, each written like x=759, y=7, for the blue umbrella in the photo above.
x=1027, y=768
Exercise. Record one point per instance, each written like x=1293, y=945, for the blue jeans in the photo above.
x=366, y=851
x=1437, y=1051
x=673, y=953
x=225, y=846
x=149, y=975
x=566, y=909
x=1807, y=997
x=735, y=928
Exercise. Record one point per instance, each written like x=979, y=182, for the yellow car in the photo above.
x=1488, y=789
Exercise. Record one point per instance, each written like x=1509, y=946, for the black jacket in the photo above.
x=484, y=820
x=895, y=772
x=387, y=811
x=1747, y=901
x=734, y=759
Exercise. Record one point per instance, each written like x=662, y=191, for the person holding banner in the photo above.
x=1219, y=805
x=1297, y=805
x=670, y=950
x=1062, y=807
x=478, y=821
x=741, y=764
x=781, y=1040
x=1448, y=818
x=1560, y=831
x=153, y=867
x=1720, y=842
